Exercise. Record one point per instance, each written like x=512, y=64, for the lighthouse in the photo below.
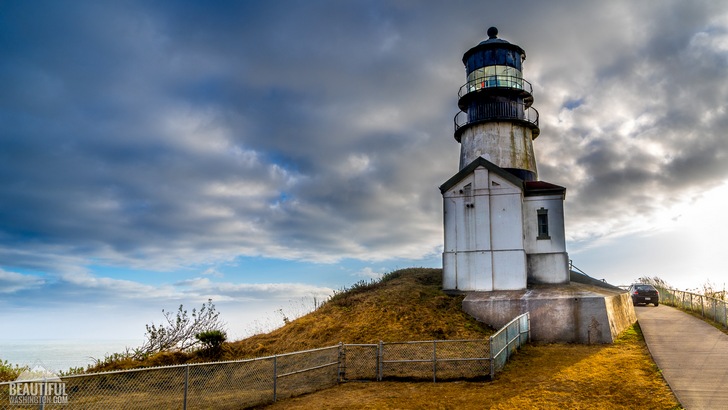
x=505, y=242
x=504, y=228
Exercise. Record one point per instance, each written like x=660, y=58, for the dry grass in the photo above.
x=406, y=305
x=409, y=305
x=555, y=376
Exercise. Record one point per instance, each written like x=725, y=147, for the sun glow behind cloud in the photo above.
x=684, y=245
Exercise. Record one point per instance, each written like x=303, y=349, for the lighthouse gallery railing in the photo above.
x=496, y=111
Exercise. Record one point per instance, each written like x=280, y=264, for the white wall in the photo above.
x=484, y=248
x=504, y=143
x=548, y=262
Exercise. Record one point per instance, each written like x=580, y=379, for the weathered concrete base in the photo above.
x=572, y=313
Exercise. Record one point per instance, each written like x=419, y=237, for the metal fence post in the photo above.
x=434, y=361
x=43, y=388
x=380, y=361
x=492, y=360
x=187, y=383
x=342, y=363
x=275, y=377
x=508, y=343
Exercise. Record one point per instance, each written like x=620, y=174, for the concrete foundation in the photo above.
x=572, y=313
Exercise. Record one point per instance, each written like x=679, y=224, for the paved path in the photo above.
x=692, y=355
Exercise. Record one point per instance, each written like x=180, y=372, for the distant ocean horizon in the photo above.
x=61, y=354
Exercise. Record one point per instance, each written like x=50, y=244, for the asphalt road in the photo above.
x=692, y=355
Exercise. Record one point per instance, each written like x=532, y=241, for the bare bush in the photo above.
x=654, y=281
x=178, y=334
x=712, y=290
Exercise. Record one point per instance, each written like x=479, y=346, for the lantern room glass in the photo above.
x=495, y=76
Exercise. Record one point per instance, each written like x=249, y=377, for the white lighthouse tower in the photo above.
x=504, y=229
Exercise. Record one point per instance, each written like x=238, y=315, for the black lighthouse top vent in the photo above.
x=493, y=37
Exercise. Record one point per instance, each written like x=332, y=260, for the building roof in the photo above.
x=530, y=188
x=491, y=43
x=535, y=188
x=480, y=162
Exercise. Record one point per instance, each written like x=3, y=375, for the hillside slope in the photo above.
x=406, y=304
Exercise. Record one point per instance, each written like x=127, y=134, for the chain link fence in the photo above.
x=434, y=360
x=219, y=385
x=711, y=308
x=255, y=382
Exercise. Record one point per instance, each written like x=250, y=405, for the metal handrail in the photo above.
x=495, y=81
x=507, y=344
x=697, y=303
x=497, y=111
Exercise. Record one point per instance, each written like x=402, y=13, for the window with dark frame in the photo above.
x=543, y=223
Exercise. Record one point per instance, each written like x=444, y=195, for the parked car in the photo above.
x=643, y=293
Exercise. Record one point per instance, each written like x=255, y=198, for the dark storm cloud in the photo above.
x=168, y=134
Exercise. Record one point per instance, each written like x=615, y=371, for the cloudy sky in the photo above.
x=264, y=154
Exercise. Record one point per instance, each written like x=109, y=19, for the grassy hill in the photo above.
x=404, y=305
x=408, y=304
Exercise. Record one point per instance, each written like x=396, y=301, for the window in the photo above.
x=495, y=76
x=543, y=223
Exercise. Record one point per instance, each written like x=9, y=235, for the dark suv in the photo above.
x=642, y=293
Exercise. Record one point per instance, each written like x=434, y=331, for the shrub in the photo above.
x=179, y=333
x=10, y=372
x=211, y=339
